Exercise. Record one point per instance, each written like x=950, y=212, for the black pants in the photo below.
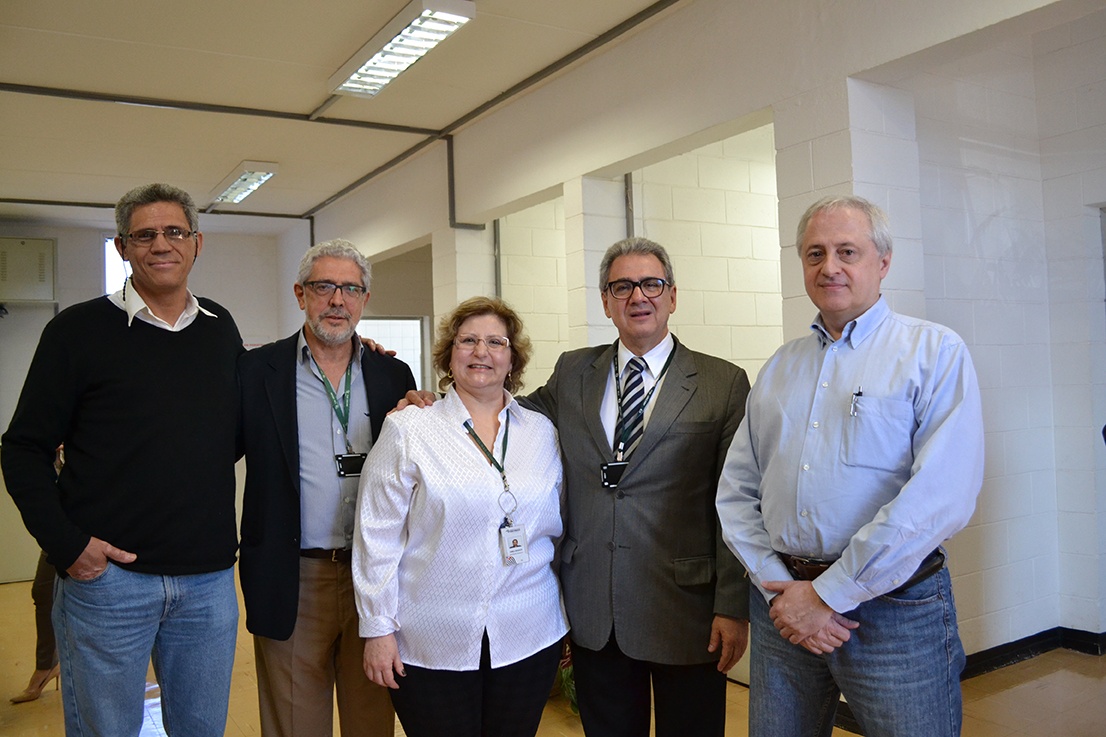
x=490, y=702
x=42, y=593
x=613, y=692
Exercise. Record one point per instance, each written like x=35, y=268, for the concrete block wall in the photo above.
x=534, y=282
x=813, y=160
x=714, y=210
x=986, y=276
x=1070, y=78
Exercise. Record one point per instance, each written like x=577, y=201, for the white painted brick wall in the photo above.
x=534, y=282
x=714, y=209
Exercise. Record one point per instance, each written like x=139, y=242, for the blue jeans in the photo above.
x=900, y=671
x=108, y=629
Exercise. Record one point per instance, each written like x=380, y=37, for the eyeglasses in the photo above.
x=147, y=237
x=623, y=288
x=468, y=342
x=326, y=289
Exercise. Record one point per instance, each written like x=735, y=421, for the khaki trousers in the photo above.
x=296, y=678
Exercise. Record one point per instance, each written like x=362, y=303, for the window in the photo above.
x=404, y=335
x=116, y=270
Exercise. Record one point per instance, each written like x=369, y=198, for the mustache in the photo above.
x=336, y=312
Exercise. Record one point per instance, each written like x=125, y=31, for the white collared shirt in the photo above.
x=135, y=306
x=654, y=361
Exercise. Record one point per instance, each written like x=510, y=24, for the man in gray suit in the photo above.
x=656, y=601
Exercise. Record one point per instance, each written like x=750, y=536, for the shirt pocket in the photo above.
x=879, y=435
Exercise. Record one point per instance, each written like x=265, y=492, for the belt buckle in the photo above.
x=334, y=555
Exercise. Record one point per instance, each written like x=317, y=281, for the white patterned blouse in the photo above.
x=427, y=560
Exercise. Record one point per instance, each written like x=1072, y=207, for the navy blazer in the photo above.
x=269, y=435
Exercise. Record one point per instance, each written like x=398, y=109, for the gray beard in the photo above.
x=331, y=337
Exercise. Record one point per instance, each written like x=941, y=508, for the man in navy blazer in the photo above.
x=312, y=404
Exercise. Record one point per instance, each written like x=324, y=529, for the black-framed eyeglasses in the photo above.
x=495, y=343
x=148, y=236
x=623, y=288
x=326, y=289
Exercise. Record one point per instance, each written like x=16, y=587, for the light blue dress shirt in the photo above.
x=327, y=501
x=867, y=450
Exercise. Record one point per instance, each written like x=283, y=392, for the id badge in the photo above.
x=349, y=464
x=512, y=543
x=611, y=473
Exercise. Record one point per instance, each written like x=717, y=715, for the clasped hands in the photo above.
x=802, y=618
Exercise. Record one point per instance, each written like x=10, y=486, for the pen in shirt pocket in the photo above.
x=856, y=396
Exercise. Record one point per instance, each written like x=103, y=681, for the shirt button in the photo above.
x=803, y=513
x=610, y=546
x=806, y=466
x=825, y=384
x=620, y=494
x=834, y=349
x=814, y=424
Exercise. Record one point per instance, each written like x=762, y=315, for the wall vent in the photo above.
x=27, y=269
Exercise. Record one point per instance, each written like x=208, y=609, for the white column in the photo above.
x=850, y=137
x=463, y=267
x=595, y=218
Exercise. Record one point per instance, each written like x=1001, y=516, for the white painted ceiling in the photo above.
x=271, y=57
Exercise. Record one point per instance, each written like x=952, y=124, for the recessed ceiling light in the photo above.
x=243, y=181
x=407, y=37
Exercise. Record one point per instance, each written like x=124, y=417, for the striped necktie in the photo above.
x=633, y=394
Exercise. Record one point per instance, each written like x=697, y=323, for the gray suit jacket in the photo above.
x=648, y=558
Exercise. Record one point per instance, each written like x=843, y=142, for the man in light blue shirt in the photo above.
x=860, y=453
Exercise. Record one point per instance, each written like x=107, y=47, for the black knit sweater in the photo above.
x=148, y=421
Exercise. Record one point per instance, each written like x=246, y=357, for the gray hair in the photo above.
x=879, y=230
x=336, y=248
x=642, y=246
x=148, y=194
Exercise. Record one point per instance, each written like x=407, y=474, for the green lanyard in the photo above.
x=341, y=409
x=644, y=403
x=498, y=466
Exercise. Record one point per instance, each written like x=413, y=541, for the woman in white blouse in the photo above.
x=459, y=513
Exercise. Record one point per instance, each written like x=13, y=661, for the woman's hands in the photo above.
x=381, y=661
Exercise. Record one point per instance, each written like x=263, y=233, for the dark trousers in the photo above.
x=613, y=691
x=42, y=594
x=490, y=702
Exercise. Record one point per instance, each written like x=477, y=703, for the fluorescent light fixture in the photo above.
x=243, y=181
x=416, y=29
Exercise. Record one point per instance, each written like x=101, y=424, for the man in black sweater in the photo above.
x=140, y=524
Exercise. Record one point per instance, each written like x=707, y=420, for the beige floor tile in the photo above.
x=976, y=727
x=1058, y=694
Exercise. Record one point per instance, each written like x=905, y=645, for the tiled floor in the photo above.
x=1059, y=694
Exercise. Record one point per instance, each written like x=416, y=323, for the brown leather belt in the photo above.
x=337, y=556
x=808, y=569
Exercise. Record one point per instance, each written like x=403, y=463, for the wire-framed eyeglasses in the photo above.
x=147, y=237
x=468, y=342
